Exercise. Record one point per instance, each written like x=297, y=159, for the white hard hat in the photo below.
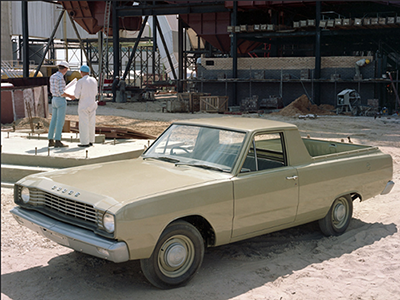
x=64, y=64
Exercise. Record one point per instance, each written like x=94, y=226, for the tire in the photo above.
x=338, y=218
x=176, y=258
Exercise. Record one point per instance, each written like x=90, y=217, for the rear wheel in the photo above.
x=338, y=218
x=176, y=258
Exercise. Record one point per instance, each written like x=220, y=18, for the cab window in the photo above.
x=266, y=152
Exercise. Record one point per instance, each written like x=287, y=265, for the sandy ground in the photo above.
x=298, y=263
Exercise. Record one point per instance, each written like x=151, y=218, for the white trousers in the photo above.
x=87, y=124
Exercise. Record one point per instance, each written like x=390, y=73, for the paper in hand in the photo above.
x=70, y=88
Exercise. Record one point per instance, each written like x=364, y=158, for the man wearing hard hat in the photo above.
x=58, y=104
x=361, y=63
x=86, y=91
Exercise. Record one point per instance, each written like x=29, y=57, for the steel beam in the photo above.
x=166, y=49
x=49, y=42
x=81, y=44
x=180, y=55
x=128, y=65
x=171, y=9
x=256, y=36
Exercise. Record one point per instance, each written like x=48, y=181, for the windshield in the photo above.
x=210, y=148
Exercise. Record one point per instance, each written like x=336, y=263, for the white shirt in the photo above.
x=86, y=91
x=361, y=62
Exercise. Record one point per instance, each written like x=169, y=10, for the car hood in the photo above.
x=124, y=181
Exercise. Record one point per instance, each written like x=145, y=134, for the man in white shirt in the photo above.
x=86, y=91
x=361, y=63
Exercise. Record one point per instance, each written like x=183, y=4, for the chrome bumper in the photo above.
x=388, y=188
x=79, y=239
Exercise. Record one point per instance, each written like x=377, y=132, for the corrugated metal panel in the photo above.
x=42, y=17
x=6, y=48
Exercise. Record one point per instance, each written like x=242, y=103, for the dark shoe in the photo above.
x=90, y=144
x=80, y=145
x=51, y=143
x=58, y=144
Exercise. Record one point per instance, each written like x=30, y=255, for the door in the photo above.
x=266, y=191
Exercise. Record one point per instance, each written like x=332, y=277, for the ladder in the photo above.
x=9, y=70
x=104, y=52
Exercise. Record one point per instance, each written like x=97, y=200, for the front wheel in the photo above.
x=176, y=258
x=338, y=218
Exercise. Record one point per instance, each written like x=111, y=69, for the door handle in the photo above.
x=292, y=177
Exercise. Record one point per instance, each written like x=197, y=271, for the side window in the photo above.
x=266, y=152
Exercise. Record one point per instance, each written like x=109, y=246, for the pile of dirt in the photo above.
x=303, y=106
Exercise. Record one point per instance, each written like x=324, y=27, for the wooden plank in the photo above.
x=118, y=132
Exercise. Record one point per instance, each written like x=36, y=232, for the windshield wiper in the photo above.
x=164, y=158
x=208, y=167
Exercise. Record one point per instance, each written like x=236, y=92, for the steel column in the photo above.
x=180, y=55
x=154, y=47
x=234, y=51
x=25, y=38
x=115, y=30
x=317, y=72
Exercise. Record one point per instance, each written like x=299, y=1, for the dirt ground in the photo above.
x=298, y=263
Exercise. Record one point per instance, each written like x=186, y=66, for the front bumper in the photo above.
x=76, y=238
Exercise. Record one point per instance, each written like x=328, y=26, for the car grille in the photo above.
x=65, y=206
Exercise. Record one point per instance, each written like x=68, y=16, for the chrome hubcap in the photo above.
x=340, y=213
x=175, y=255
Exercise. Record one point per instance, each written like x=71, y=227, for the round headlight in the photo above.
x=25, y=194
x=108, y=222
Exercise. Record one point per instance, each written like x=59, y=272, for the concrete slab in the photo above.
x=19, y=149
x=20, y=143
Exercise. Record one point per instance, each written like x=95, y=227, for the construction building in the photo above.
x=250, y=55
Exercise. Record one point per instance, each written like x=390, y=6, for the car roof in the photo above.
x=239, y=123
